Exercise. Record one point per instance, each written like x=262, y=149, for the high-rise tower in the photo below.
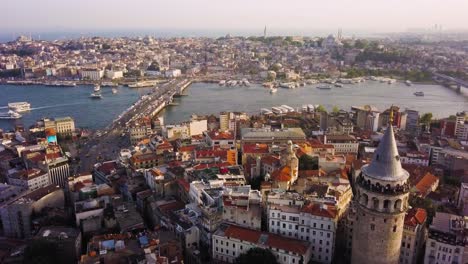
x=382, y=200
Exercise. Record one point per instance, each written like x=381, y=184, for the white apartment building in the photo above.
x=30, y=179
x=198, y=126
x=447, y=243
x=314, y=222
x=229, y=241
x=342, y=143
x=93, y=74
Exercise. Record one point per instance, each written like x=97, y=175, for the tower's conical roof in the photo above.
x=386, y=163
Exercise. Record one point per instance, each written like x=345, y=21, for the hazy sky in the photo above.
x=375, y=15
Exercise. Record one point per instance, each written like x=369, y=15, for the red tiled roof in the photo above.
x=415, y=216
x=270, y=160
x=107, y=167
x=425, y=184
x=187, y=148
x=312, y=173
x=316, y=209
x=282, y=174
x=209, y=153
x=215, y=135
x=255, y=148
x=172, y=206
x=273, y=240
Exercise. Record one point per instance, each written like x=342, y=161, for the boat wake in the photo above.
x=3, y=107
x=53, y=106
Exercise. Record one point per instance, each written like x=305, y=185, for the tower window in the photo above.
x=372, y=227
x=394, y=228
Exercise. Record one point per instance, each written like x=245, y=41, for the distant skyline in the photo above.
x=240, y=15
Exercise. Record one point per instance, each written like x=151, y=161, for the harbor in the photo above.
x=205, y=98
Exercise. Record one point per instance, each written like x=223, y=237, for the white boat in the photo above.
x=265, y=111
x=245, y=82
x=19, y=106
x=288, y=108
x=391, y=81
x=277, y=110
x=419, y=93
x=114, y=91
x=96, y=95
x=324, y=87
x=97, y=88
x=273, y=90
x=222, y=83
x=408, y=82
x=10, y=115
x=109, y=84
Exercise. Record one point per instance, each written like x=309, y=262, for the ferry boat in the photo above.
x=273, y=90
x=324, y=87
x=222, y=83
x=61, y=84
x=19, y=106
x=96, y=95
x=391, y=81
x=97, y=88
x=339, y=85
x=10, y=115
x=109, y=84
x=265, y=111
x=408, y=82
x=114, y=91
x=419, y=93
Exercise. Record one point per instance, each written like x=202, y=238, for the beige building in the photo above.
x=64, y=126
x=224, y=121
x=242, y=207
x=414, y=236
x=382, y=191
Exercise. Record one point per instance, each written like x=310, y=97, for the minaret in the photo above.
x=264, y=32
x=381, y=202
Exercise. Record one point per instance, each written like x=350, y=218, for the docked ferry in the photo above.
x=19, y=106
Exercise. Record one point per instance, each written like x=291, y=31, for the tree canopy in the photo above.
x=321, y=108
x=307, y=162
x=257, y=256
x=426, y=118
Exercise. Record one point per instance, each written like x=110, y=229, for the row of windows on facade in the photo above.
x=277, y=257
x=296, y=227
x=445, y=249
x=240, y=247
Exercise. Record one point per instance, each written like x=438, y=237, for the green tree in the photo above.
x=321, y=108
x=426, y=118
x=257, y=256
x=335, y=109
x=307, y=162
